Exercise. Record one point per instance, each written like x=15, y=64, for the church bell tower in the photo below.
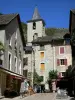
x=35, y=27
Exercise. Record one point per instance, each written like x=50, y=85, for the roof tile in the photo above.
x=6, y=18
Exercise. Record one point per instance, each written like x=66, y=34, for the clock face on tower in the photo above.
x=73, y=37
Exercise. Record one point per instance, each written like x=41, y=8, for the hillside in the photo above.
x=56, y=32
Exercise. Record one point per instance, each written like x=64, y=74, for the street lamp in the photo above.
x=33, y=65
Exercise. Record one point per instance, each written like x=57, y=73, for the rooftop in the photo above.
x=49, y=39
x=36, y=14
x=73, y=10
x=6, y=18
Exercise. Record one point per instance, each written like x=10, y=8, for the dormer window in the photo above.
x=34, y=25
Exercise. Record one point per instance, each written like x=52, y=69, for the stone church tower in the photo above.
x=35, y=27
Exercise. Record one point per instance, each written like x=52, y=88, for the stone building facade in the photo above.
x=46, y=53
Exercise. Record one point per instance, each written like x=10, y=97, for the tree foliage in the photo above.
x=55, y=31
x=1, y=46
x=53, y=74
x=70, y=72
x=1, y=14
x=73, y=37
x=48, y=31
x=36, y=78
x=24, y=28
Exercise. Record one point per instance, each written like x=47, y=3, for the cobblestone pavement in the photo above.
x=40, y=96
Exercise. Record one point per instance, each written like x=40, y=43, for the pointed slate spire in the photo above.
x=36, y=14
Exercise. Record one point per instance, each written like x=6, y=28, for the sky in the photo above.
x=54, y=12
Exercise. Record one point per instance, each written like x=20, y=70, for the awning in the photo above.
x=14, y=75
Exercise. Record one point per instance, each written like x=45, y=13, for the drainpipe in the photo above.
x=33, y=64
x=54, y=58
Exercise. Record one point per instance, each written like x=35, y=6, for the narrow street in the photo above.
x=41, y=96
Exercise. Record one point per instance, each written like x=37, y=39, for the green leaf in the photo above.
x=52, y=74
x=1, y=46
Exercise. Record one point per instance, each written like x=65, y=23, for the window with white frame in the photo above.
x=61, y=62
x=15, y=43
x=20, y=48
x=20, y=54
x=10, y=41
x=19, y=66
x=9, y=60
x=25, y=61
x=15, y=61
x=25, y=72
x=15, y=35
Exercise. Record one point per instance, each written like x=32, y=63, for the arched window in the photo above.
x=35, y=36
x=34, y=25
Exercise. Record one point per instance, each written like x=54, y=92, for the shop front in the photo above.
x=2, y=82
x=9, y=81
x=13, y=82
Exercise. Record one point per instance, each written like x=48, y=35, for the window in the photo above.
x=25, y=61
x=1, y=62
x=15, y=35
x=34, y=25
x=10, y=40
x=19, y=66
x=19, y=48
x=41, y=47
x=63, y=73
x=20, y=53
x=42, y=66
x=35, y=36
x=15, y=44
x=61, y=50
x=15, y=58
x=61, y=62
x=42, y=54
x=9, y=58
x=15, y=48
x=25, y=73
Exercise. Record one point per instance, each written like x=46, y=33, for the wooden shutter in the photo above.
x=65, y=61
x=58, y=62
x=61, y=50
x=42, y=54
x=42, y=66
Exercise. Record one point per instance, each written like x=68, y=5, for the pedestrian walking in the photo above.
x=22, y=89
x=53, y=86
